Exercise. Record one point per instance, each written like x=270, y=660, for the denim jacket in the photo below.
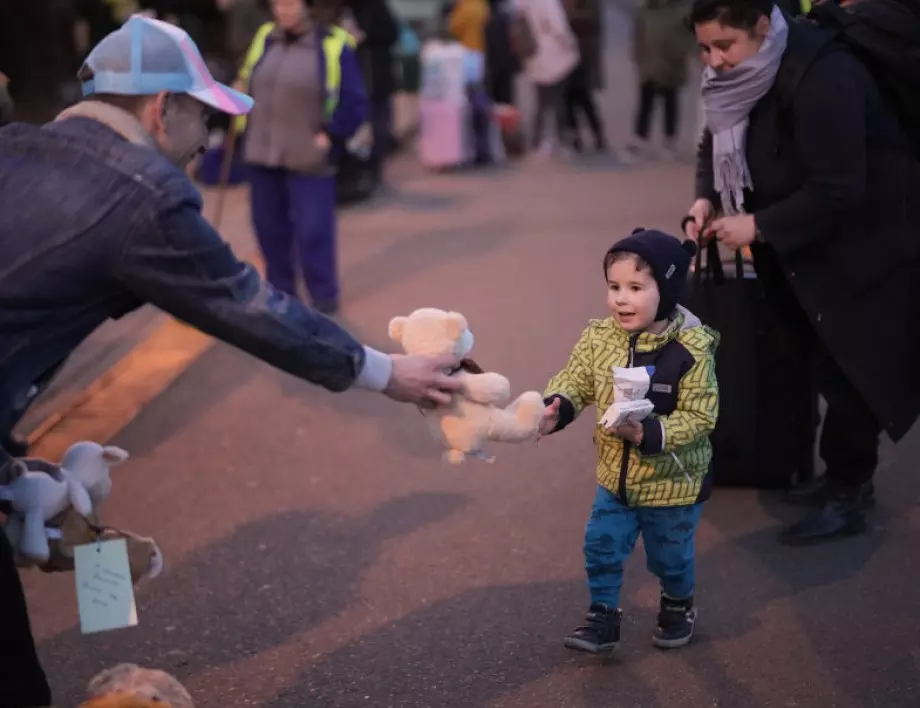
x=94, y=222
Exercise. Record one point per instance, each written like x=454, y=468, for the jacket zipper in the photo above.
x=627, y=447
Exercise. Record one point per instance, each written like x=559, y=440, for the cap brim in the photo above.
x=224, y=99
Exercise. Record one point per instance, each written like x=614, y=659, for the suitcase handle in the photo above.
x=714, y=266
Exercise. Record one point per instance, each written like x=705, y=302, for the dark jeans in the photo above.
x=550, y=100
x=850, y=437
x=22, y=680
x=578, y=97
x=611, y=535
x=648, y=93
x=294, y=219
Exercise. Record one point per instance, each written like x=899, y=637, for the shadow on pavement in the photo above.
x=215, y=375
x=469, y=650
x=254, y=590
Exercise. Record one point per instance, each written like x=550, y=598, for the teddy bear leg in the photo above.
x=455, y=457
x=520, y=421
x=34, y=545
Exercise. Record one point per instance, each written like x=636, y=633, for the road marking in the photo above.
x=105, y=407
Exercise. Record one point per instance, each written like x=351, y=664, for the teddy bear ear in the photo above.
x=455, y=324
x=397, y=327
x=114, y=455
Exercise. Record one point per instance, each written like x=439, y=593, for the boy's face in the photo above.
x=632, y=295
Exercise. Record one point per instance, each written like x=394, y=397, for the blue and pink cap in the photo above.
x=146, y=56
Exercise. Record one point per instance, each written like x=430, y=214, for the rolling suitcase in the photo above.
x=445, y=116
x=768, y=413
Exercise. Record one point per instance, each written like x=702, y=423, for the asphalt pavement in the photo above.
x=319, y=553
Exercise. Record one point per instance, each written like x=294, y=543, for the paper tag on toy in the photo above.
x=105, y=594
x=631, y=384
x=619, y=413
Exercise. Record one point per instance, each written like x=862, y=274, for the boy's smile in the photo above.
x=632, y=296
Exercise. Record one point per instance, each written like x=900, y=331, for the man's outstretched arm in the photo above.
x=186, y=269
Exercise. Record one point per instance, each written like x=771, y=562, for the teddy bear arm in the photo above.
x=487, y=389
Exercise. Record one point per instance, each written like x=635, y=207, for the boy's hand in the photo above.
x=630, y=431
x=550, y=418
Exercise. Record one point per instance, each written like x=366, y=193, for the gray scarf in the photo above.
x=728, y=97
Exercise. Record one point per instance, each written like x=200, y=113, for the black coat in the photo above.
x=375, y=53
x=833, y=184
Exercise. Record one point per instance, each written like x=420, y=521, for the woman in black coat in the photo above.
x=817, y=177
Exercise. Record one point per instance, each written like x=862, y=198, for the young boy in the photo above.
x=653, y=475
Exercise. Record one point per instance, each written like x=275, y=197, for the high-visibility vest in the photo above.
x=334, y=44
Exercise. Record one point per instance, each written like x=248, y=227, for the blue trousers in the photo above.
x=611, y=536
x=294, y=219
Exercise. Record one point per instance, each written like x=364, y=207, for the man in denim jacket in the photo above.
x=97, y=218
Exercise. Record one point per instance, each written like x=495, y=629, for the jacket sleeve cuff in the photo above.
x=566, y=410
x=653, y=437
x=376, y=372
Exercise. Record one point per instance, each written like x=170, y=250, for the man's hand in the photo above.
x=735, y=232
x=630, y=431
x=701, y=211
x=550, y=418
x=423, y=380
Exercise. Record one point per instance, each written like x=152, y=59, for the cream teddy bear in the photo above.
x=480, y=411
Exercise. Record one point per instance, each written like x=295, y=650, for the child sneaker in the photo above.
x=675, y=623
x=600, y=633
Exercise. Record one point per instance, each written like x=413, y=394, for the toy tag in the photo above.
x=105, y=594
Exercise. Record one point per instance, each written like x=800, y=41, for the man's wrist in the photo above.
x=376, y=372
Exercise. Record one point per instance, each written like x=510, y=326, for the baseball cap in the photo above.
x=146, y=56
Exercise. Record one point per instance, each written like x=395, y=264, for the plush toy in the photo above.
x=479, y=412
x=71, y=529
x=130, y=686
x=40, y=492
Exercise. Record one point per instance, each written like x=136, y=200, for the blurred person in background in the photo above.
x=379, y=33
x=660, y=50
x=501, y=63
x=586, y=19
x=309, y=101
x=549, y=68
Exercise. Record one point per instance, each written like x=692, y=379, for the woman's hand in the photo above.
x=736, y=232
x=550, y=418
x=701, y=211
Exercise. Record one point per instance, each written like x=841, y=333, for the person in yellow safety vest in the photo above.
x=310, y=100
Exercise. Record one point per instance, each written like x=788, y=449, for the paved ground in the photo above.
x=319, y=554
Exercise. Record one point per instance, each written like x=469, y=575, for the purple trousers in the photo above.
x=294, y=219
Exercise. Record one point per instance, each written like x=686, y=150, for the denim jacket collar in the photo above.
x=118, y=119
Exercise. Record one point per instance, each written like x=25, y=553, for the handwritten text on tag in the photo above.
x=105, y=594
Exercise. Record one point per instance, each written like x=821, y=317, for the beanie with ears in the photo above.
x=668, y=258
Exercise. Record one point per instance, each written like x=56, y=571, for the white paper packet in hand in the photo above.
x=631, y=384
x=619, y=412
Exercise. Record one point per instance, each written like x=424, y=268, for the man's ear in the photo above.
x=455, y=324
x=397, y=327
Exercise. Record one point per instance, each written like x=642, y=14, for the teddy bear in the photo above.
x=40, y=492
x=480, y=412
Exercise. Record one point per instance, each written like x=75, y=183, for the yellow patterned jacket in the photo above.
x=672, y=466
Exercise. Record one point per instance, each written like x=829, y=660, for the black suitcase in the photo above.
x=768, y=411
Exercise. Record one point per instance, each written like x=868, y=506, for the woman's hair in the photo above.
x=738, y=14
